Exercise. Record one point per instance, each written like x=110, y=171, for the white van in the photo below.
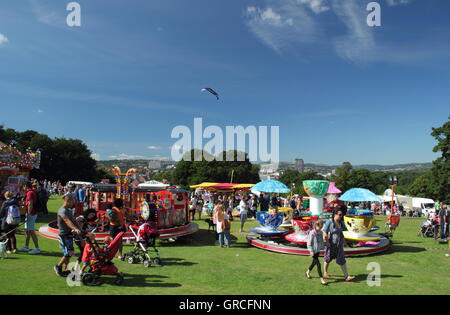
x=423, y=205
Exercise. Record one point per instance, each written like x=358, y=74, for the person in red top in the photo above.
x=30, y=219
x=117, y=221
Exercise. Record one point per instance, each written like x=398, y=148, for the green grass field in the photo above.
x=194, y=265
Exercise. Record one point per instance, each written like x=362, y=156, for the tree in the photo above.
x=440, y=172
x=421, y=186
x=61, y=159
x=190, y=172
x=290, y=177
x=342, y=176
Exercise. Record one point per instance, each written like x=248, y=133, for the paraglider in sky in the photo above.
x=211, y=91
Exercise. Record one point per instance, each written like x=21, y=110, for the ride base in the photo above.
x=280, y=245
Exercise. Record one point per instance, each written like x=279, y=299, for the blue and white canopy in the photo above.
x=359, y=195
x=271, y=186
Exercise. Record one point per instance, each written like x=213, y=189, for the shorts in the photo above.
x=243, y=217
x=66, y=245
x=115, y=229
x=30, y=222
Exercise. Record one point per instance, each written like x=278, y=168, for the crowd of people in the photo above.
x=76, y=221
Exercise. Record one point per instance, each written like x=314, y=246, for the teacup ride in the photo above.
x=288, y=213
x=358, y=235
x=360, y=228
x=316, y=189
x=269, y=225
x=302, y=226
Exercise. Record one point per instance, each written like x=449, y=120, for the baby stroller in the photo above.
x=426, y=228
x=100, y=261
x=145, y=236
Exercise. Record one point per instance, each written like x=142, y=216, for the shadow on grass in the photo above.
x=176, y=262
x=359, y=278
x=139, y=281
x=200, y=238
x=241, y=245
x=396, y=248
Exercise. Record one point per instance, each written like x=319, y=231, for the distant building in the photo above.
x=300, y=165
x=154, y=164
x=269, y=171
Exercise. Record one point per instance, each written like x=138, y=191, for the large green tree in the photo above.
x=342, y=176
x=209, y=169
x=440, y=183
x=61, y=159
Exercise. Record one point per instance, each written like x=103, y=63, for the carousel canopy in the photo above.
x=271, y=186
x=332, y=189
x=359, y=195
x=153, y=184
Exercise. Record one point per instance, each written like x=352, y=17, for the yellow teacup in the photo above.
x=359, y=225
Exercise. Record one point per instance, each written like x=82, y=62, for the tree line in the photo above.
x=61, y=159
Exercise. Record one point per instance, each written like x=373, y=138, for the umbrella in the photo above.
x=359, y=195
x=271, y=186
x=332, y=189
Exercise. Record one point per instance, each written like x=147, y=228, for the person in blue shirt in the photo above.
x=334, y=243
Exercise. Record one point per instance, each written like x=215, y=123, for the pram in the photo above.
x=145, y=238
x=427, y=228
x=4, y=241
x=100, y=261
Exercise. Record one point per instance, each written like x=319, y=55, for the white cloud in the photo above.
x=40, y=111
x=123, y=156
x=47, y=16
x=3, y=39
x=397, y=2
x=282, y=24
x=153, y=147
x=95, y=156
x=297, y=26
x=359, y=43
x=318, y=6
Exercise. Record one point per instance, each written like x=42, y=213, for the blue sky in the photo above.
x=338, y=89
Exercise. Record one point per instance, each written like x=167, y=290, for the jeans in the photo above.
x=316, y=262
x=224, y=236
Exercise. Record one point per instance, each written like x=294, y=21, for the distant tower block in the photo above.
x=300, y=165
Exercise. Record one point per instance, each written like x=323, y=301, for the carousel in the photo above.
x=274, y=234
x=172, y=212
x=15, y=167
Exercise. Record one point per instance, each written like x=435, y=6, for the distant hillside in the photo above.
x=321, y=168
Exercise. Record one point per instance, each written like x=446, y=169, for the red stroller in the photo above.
x=100, y=261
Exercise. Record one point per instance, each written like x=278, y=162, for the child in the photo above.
x=315, y=245
x=227, y=229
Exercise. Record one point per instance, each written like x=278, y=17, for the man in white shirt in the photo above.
x=243, y=210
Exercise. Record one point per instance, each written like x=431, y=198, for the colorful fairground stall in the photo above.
x=171, y=211
x=15, y=167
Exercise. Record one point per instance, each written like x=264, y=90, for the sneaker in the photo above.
x=24, y=249
x=58, y=271
x=9, y=252
x=34, y=251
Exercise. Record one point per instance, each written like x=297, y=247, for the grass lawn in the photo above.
x=193, y=265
